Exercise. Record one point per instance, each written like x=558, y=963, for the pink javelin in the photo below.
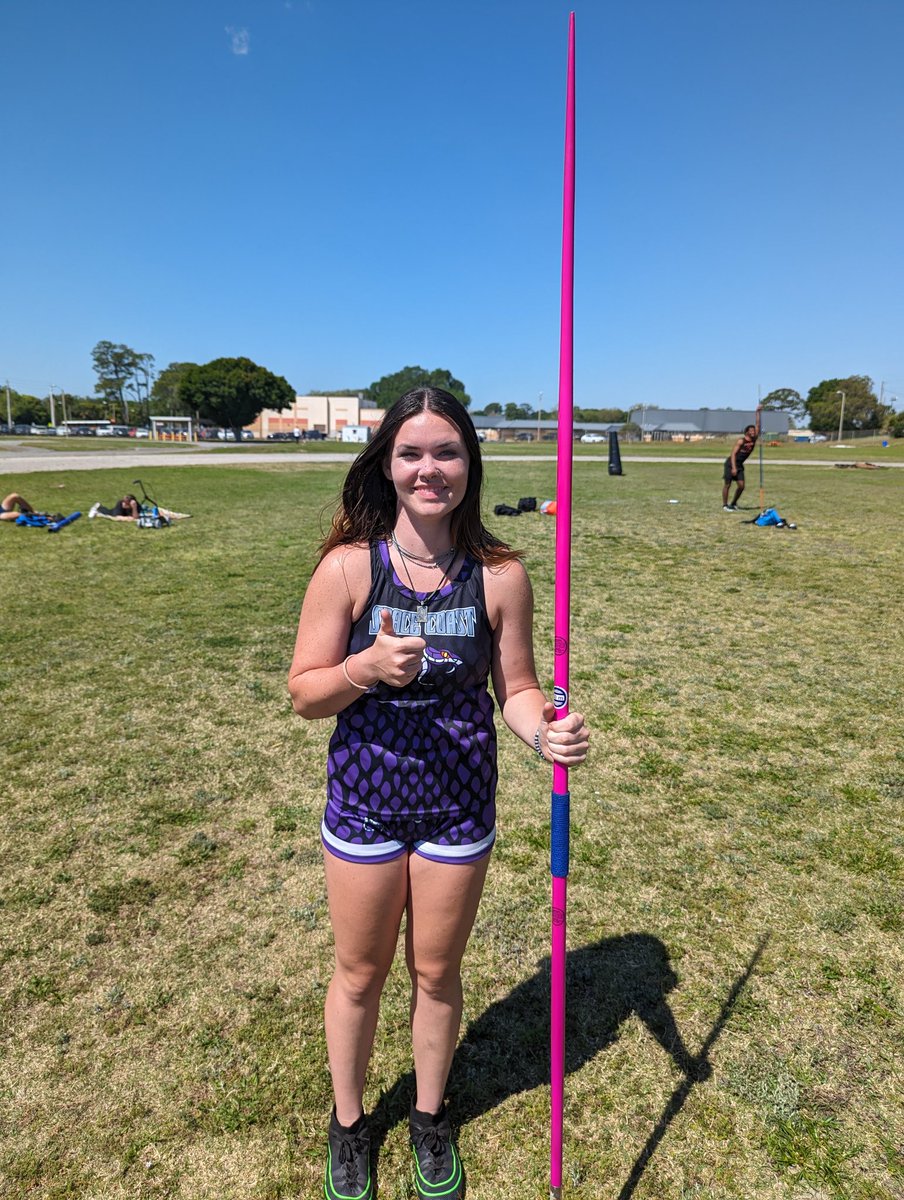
x=559, y=838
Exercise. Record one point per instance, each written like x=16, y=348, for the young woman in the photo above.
x=125, y=509
x=128, y=509
x=413, y=606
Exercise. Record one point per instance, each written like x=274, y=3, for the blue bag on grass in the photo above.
x=769, y=517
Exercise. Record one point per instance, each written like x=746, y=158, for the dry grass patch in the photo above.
x=736, y=899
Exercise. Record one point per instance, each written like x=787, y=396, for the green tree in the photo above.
x=123, y=374
x=84, y=408
x=785, y=400
x=519, y=412
x=139, y=386
x=233, y=391
x=896, y=425
x=26, y=410
x=862, y=409
x=384, y=392
x=608, y=415
x=165, y=399
x=492, y=409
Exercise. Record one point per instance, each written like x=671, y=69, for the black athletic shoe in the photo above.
x=437, y=1167
x=348, y=1162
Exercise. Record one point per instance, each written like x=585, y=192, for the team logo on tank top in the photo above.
x=450, y=622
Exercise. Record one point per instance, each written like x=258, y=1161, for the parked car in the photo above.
x=481, y=436
x=282, y=436
x=313, y=435
x=592, y=437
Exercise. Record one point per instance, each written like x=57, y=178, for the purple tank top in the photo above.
x=432, y=742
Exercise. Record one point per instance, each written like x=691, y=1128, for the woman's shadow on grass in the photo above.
x=505, y=1050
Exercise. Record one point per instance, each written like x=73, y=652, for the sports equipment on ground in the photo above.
x=56, y=526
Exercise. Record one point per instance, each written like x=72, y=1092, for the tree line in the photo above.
x=854, y=399
x=232, y=392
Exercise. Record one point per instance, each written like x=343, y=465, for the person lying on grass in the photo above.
x=12, y=505
x=128, y=509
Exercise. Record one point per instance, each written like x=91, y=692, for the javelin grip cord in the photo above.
x=559, y=839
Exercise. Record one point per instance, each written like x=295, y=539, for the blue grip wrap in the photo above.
x=560, y=819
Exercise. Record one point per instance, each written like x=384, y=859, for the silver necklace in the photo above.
x=422, y=612
x=433, y=564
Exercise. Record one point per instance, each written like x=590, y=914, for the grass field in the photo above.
x=736, y=901
x=852, y=450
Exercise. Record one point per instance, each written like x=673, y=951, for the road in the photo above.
x=19, y=458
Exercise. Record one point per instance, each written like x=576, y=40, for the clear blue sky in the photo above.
x=340, y=188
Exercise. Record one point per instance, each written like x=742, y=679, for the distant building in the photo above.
x=529, y=429
x=697, y=424
x=327, y=414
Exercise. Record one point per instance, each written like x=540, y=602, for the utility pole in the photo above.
x=52, y=408
x=9, y=411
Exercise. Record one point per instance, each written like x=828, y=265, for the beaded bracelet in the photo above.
x=537, y=745
x=362, y=687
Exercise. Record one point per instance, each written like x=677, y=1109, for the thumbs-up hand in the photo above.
x=397, y=660
x=565, y=741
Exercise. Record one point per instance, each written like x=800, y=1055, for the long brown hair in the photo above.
x=368, y=508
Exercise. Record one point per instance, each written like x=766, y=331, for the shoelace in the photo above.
x=434, y=1143
x=349, y=1149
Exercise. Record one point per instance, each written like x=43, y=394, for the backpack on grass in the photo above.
x=37, y=520
x=771, y=516
x=152, y=518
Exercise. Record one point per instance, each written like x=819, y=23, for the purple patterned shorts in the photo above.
x=357, y=838
x=400, y=782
